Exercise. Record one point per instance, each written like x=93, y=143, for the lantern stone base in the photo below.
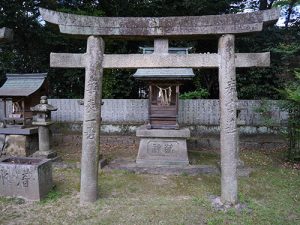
x=162, y=147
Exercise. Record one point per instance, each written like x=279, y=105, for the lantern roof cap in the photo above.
x=43, y=106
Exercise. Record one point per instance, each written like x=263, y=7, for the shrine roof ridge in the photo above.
x=161, y=26
x=164, y=73
x=22, y=84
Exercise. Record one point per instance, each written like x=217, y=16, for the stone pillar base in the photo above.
x=162, y=147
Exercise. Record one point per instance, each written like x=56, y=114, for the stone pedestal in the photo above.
x=44, y=141
x=162, y=147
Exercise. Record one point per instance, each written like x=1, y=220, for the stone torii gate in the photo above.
x=160, y=29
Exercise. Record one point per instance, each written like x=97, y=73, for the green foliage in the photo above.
x=119, y=83
x=292, y=92
x=292, y=95
x=198, y=94
x=265, y=111
x=284, y=2
x=52, y=196
x=284, y=45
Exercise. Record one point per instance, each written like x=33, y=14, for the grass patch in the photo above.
x=52, y=196
x=271, y=194
x=203, y=157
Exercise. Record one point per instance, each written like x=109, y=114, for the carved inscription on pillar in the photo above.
x=91, y=119
x=163, y=148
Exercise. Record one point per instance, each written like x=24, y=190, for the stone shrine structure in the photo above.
x=13, y=140
x=19, y=93
x=23, y=91
x=162, y=142
x=94, y=61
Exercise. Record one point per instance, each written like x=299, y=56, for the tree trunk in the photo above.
x=289, y=13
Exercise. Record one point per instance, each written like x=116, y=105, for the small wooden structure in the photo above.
x=164, y=91
x=23, y=91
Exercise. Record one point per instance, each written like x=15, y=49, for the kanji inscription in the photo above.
x=164, y=148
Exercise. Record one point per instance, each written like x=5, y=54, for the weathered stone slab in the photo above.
x=6, y=35
x=67, y=60
x=252, y=59
x=28, y=178
x=159, y=133
x=160, y=61
x=19, y=131
x=162, y=147
x=160, y=26
x=162, y=169
x=63, y=60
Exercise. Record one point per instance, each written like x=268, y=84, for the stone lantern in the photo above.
x=43, y=121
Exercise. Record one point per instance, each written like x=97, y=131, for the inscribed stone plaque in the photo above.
x=163, y=148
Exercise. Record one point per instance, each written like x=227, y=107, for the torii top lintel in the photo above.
x=161, y=26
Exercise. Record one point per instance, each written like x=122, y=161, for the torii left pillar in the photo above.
x=92, y=61
x=228, y=120
x=91, y=119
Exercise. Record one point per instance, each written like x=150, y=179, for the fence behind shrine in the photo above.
x=191, y=112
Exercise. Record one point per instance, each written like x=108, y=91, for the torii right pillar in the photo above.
x=228, y=120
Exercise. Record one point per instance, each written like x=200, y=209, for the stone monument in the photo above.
x=162, y=142
x=224, y=27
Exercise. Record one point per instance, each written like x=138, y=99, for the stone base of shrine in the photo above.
x=162, y=147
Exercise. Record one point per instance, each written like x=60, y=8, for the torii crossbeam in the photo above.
x=160, y=29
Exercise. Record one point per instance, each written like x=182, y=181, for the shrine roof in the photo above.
x=165, y=74
x=22, y=85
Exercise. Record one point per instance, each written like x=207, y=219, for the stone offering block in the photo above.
x=28, y=178
x=162, y=147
